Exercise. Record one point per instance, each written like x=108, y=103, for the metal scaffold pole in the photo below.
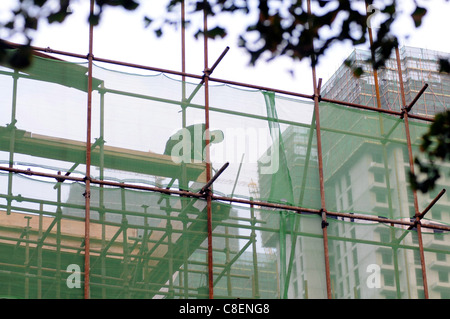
x=207, y=152
x=87, y=194
x=317, y=87
x=154, y=251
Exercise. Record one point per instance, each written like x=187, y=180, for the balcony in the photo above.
x=382, y=209
x=375, y=166
x=441, y=286
x=440, y=265
x=437, y=241
x=388, y=291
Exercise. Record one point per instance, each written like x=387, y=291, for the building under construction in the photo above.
x=418, y=67
x=208, y=188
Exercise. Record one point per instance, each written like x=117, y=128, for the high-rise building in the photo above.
x=366, y=167
x=373, y=172
x=418, y=67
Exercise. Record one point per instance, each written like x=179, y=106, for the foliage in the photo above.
x=25, y=20
x=280, y=28
x=436, y=146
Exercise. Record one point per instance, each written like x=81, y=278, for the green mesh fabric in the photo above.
x=148, y=130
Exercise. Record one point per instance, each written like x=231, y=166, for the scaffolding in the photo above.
x=139, y=210
x=418, y=66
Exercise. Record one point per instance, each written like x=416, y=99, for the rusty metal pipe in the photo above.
x=416, y=98
x=222, y=55
x=87, y=194
x=213, y=179
x=208, y=160
x=322, y=189
x=235, y=83
x=295, y=209
x=316, y=96
x=434, y=201
x=416, y=204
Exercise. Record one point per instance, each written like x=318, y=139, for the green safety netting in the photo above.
x=149, y=130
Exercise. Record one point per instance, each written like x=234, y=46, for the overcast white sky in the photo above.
x=121, y=36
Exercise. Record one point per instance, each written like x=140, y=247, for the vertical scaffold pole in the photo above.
x=416, y=209
x=317, y=87
x=183, y=170
x=208, y=160
x=411, y=166
x=87, y=194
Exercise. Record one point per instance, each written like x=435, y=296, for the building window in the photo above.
x=377, y=158
x=385, y=237
x=412, y=210
x=443, y=276
x=438, y=236
x=386, y=258
x=415, y=238
x=419, y=278
x=441, y=257
x=405, y=155
x=420, y=294
x=380, y=197
x=378, y=177
x=417, y=257
x=389, y=280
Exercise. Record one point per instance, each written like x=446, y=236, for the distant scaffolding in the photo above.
x=175, y=185
x=418, y=66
